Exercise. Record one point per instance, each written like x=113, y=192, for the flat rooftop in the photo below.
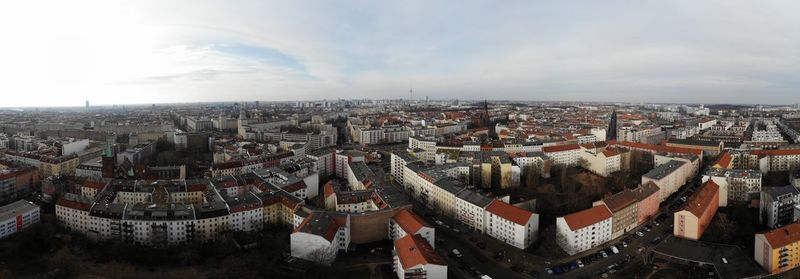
x=740, y=265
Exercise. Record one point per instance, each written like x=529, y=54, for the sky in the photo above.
x=62, y=53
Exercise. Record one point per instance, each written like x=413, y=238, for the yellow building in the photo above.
x=778, y=250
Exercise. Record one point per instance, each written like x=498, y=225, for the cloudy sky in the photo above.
x=115, y=52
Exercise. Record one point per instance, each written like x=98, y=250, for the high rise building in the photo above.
x=611, y=134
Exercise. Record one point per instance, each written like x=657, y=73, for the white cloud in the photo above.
x=163, y=51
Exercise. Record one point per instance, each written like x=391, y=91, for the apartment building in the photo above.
x=17, y=216
x=623, y=207
x=777, y=205
x=734, y=184
x=406, y=223
x=320, y=237
x=584, y=230
x=778, y=250
x=563, y=155
x=414, y=257
x=695, y=217
x=668, y=177
x=599, y=159
x=510, y=224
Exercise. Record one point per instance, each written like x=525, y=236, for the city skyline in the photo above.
x=153, y=52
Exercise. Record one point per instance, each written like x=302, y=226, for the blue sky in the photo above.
x=115, y=52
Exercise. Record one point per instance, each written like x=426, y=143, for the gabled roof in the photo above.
x=783, y=236
x=702, y=199
x=413, y=250
x=410, y=222
x=509, y=212
x=560, y=148
x=587, y=217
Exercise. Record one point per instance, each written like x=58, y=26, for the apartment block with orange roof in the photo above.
x=510, y=224
x=695, y=217
x=584, y=230
x=406, y=223
x=413, y=257
x=778, y=250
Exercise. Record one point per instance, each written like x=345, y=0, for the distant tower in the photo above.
x=411, y=93
x=87, y=105
x=242, y=121
x=109, y=157
x=485, y=114
x=611, y=133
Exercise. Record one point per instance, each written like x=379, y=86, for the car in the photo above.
x=604, y=254
x=724, y=260
x=457, y=253
x=580, y=263
x=656, y=240
x=456, y=230
x=639, y=233
x=625, y=244
x=647, y=228
x=481, y=245
x=614, y=249
x=557, y=270
x=548, y=270
x=573, y=266
x=439, y=222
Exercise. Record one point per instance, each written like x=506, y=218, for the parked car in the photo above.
x=605, y=255
x=656, y=240
x=457, y=253
x=580, y=263
x=614, y=249
x=639, y=233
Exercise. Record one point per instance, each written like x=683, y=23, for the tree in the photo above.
x=322, y=256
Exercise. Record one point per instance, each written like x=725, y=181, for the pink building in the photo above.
x=649, y=199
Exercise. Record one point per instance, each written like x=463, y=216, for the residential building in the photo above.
x=777, y=205
x=17, y=216
x=414, y=257
x=623, y=207
x=513, y=225
x=778, y=250
x=584, y=230
x=699, y=210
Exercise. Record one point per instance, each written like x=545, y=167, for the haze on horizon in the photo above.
x=61, y=53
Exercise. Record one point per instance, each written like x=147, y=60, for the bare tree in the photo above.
x=322, y=256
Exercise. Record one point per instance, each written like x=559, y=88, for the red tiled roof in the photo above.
x=328, y=189
x=99, y=185
x=661, y=148
x=413, y=250
x=777, y=152
x=783, y=236
x=410, y=222
x=724, y=160
x=559, y=148
x=509, y=212
x=702, y=199
x=587, y=217
x=74, y=204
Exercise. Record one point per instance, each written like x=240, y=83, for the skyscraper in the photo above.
x=87, y=105
x=611, y=133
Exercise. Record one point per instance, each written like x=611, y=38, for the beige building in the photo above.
x=623, y=207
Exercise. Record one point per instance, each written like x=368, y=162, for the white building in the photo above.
x=563, y=155
x=413, y=257
x=406, y=223
x=320, y=237
x=510, y=224
x=17, y=216
x=584, y=230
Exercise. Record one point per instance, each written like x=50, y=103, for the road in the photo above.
x=474, y=259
